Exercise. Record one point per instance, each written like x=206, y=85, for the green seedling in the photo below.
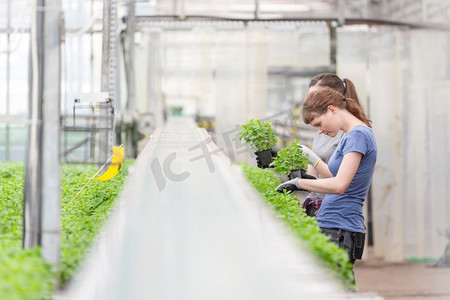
x=259, y=136
x=289, y=159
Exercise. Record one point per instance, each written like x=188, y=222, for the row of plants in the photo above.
x=23, y=273
x=83, y=217
x=287, y=208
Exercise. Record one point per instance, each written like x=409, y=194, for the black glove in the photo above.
x=306, y=175
x=273, y=153
x=293, y=184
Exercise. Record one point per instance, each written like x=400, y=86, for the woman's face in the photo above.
x=327, y=123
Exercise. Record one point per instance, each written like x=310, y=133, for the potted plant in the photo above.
x=261, y=138
x=290, y=160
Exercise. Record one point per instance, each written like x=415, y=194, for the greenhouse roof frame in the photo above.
x=380, y=12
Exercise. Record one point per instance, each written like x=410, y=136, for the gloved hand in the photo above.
x=290, y=185
x=293, y=184
x=312, y=157
x=273, y=153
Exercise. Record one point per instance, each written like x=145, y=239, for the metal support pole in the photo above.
x=105, y=45
x=333, y=43
x=91, y=37
x=42, y=173
x=341, y=12
x=131, y=26
x=131, y=150
x=108, y=75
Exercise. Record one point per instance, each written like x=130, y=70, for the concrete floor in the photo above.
x=401, y=281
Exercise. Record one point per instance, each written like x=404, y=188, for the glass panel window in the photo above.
x=19, y=59
x=3, y=71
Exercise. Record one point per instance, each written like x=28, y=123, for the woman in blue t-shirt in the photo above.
x=347, y=177
x=322, y=144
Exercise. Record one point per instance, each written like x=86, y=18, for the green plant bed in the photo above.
x=83, y=217
x=23, y=273
x=287, y=208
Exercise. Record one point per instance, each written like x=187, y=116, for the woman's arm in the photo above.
x=338, y=184
x=322, y=169
x=312, y=171
x=318, y=166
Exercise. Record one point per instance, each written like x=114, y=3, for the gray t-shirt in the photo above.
x=324, y=146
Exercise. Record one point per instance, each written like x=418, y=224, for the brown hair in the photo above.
x=342, y=85
x=317, y=102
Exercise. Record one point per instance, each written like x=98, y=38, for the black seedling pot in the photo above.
x=265, y=157
x=294, y=174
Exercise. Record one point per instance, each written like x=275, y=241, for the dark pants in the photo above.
x=352, y=242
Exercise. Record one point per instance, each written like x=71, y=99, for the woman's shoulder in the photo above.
x=359, y=134
x=361, y=130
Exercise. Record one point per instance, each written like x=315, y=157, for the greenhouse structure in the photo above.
x=124, y=172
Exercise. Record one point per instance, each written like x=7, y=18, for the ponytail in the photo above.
x=350, y=90
x=355, y=109
x=343, y=85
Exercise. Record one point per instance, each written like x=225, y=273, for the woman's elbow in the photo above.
x=340, y=190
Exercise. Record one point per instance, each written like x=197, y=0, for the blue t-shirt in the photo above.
x=345, y=211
